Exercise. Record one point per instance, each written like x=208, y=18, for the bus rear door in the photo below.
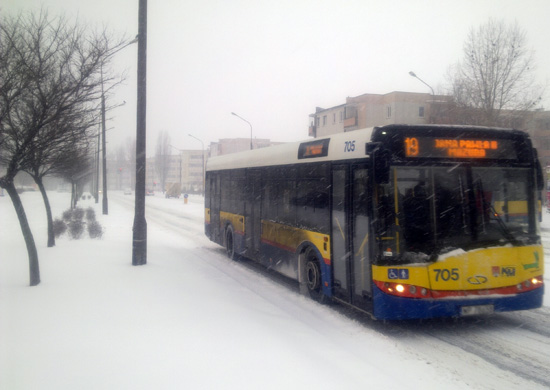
x=253, y=225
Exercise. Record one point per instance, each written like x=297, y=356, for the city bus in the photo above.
x=399, y=221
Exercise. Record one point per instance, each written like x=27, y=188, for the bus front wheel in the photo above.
x=312, y=273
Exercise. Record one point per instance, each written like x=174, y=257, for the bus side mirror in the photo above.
x=380, y=159
x=539, y=177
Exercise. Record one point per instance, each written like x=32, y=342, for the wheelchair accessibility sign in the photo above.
x=398, y=273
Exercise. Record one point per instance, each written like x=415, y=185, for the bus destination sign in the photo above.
x=313, y=149
x=459, y=148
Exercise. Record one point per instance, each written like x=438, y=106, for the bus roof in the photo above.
x=345, y=146
x=341, y=146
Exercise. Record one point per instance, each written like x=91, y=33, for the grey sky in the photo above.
x=273, y=62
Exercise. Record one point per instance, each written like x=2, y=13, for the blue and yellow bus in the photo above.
x=400, y=221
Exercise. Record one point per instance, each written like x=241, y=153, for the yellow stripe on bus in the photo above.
x=235, y=219
x=290, y=238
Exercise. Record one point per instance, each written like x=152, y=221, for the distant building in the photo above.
x=184, y=168
x=370, y=110
x=234, y=145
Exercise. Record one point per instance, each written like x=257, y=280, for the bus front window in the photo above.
x=439, y=209
x=502, y=205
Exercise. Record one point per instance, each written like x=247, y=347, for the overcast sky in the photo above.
x=273, y=62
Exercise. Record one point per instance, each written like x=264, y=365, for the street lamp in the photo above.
x=248, y=124
x=422, y=81
x=202, y=155
x=425, y=83
x=105, y=203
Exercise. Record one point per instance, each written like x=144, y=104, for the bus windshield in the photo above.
x=433, y=210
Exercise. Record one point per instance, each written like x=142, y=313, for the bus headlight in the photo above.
x=403, y=290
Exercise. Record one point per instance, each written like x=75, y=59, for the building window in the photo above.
x=388, y=112
x=421, y=112
x=334, y=118
x=324, y=120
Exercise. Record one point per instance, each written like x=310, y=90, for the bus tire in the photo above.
x=230, y=242
x=312, y=276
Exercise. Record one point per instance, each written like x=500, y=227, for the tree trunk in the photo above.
x=34, y=269
x=51, y=235
x=73, y=195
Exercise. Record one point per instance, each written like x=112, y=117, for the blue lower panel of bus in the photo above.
x=389, y=307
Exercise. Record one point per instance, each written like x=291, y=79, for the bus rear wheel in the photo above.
x=312, y=275
x=229, y=243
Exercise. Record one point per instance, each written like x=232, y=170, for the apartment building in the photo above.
x=369, y=110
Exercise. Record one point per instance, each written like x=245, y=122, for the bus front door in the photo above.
x=350, y=235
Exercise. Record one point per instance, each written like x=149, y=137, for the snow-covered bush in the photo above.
x=95, y=230
x=59, y=227
x=76, y=228
x=73, y=222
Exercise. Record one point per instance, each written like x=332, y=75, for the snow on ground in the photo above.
x=190, y=318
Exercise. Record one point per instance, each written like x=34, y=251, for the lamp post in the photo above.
x=180, y=181
x=248, y=124
x=202, y=160
x=105, y=203
x=139, y=239
x=429, y=86
x=96, y=183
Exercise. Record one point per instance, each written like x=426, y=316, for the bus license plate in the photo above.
x=477, y=310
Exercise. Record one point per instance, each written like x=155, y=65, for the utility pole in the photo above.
x=105, y=204
x=139, y=243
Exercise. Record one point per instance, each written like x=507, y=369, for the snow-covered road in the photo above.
x=191, y=318
x=517, y=342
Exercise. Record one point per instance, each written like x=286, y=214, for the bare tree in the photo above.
x=50, y=90
x=162, y=157
x=76, y=168
x=53, y=153
x=495, y=82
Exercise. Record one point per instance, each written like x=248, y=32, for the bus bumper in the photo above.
x=389, y=307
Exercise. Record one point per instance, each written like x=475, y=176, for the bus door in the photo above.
x=340, y=232
x=214, y=183
x=253, y=224
x=350, y=234
x=360, y=247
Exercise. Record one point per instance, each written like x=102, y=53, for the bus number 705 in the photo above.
x=350, y=146
x=445, y=274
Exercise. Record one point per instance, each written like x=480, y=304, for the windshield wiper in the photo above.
x=502, y=226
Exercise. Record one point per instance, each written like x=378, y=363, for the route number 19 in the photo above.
x=411, y=147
